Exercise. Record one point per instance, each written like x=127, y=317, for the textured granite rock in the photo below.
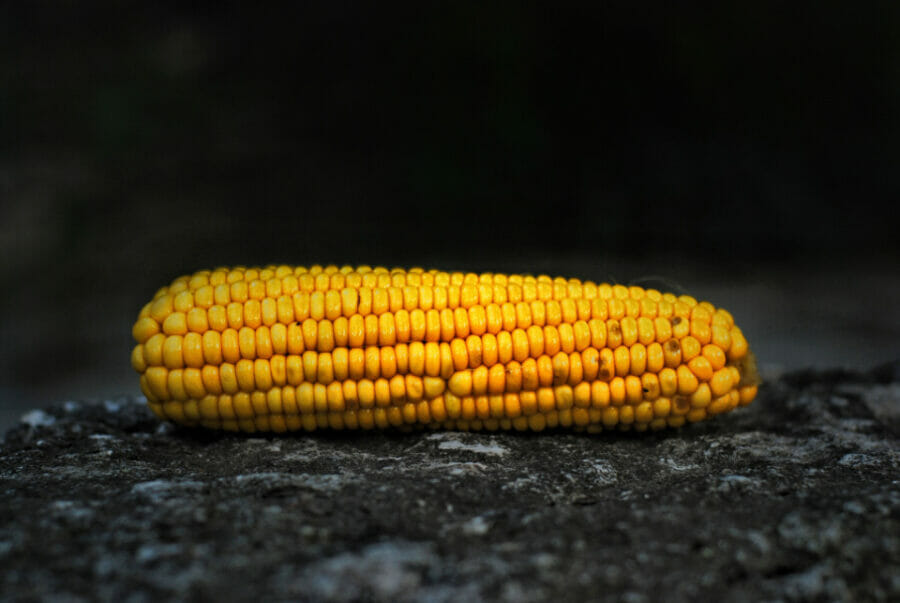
x=793, y=498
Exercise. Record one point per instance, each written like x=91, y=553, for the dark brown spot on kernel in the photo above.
x=604, y=373
x=614, y=329
x=681, y=403
x=672, y=345
x=676, y=321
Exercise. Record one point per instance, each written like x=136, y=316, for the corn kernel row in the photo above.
x=323, y=336
x=195, y=351
x=289, y=411
x=274, y=280
x=160, y=385
x=435, y=312
x=365, y=300
x=447, y=361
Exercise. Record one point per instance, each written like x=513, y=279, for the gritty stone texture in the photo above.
x=793, y=498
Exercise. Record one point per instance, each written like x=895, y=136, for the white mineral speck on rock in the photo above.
x=151, y=552
x=478, y=448
x=476, y=526
x=157, y=485
x=854, y=459
x=37, y=418
x=677, y=466
x=854, y=506
x=161, y=489
x=604, y=472
x=324, y=482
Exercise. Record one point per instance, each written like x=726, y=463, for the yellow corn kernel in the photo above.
x=701, y=397
x=638, y=359
x=696, y=414
x=719, y=405
x=721, y=337
x=617, y=391
x=622, y=358
x=747, y=393
x=610, y=416
x=690, y=348
x=138, y=361
x=722, y=382
x=161, y=307
x=668, y=382
x=715, y=355
x=735, y=374
x=701, y=367
x=643, y=413
x=739, y=346
x=700, y=331
x=175, y=324
x=662, y=407
x=600, y=396
x=144, y=328
x=634, y=390
x=687, y=382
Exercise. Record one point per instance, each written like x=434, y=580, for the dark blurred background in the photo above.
x=744, y=152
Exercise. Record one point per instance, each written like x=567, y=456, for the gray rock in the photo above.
x=794, y=498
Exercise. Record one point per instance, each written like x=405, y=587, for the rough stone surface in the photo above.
x=793, y=498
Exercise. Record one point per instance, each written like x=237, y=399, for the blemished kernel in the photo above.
x=282, y=348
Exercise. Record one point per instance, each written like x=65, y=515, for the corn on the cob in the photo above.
x=284, y=348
